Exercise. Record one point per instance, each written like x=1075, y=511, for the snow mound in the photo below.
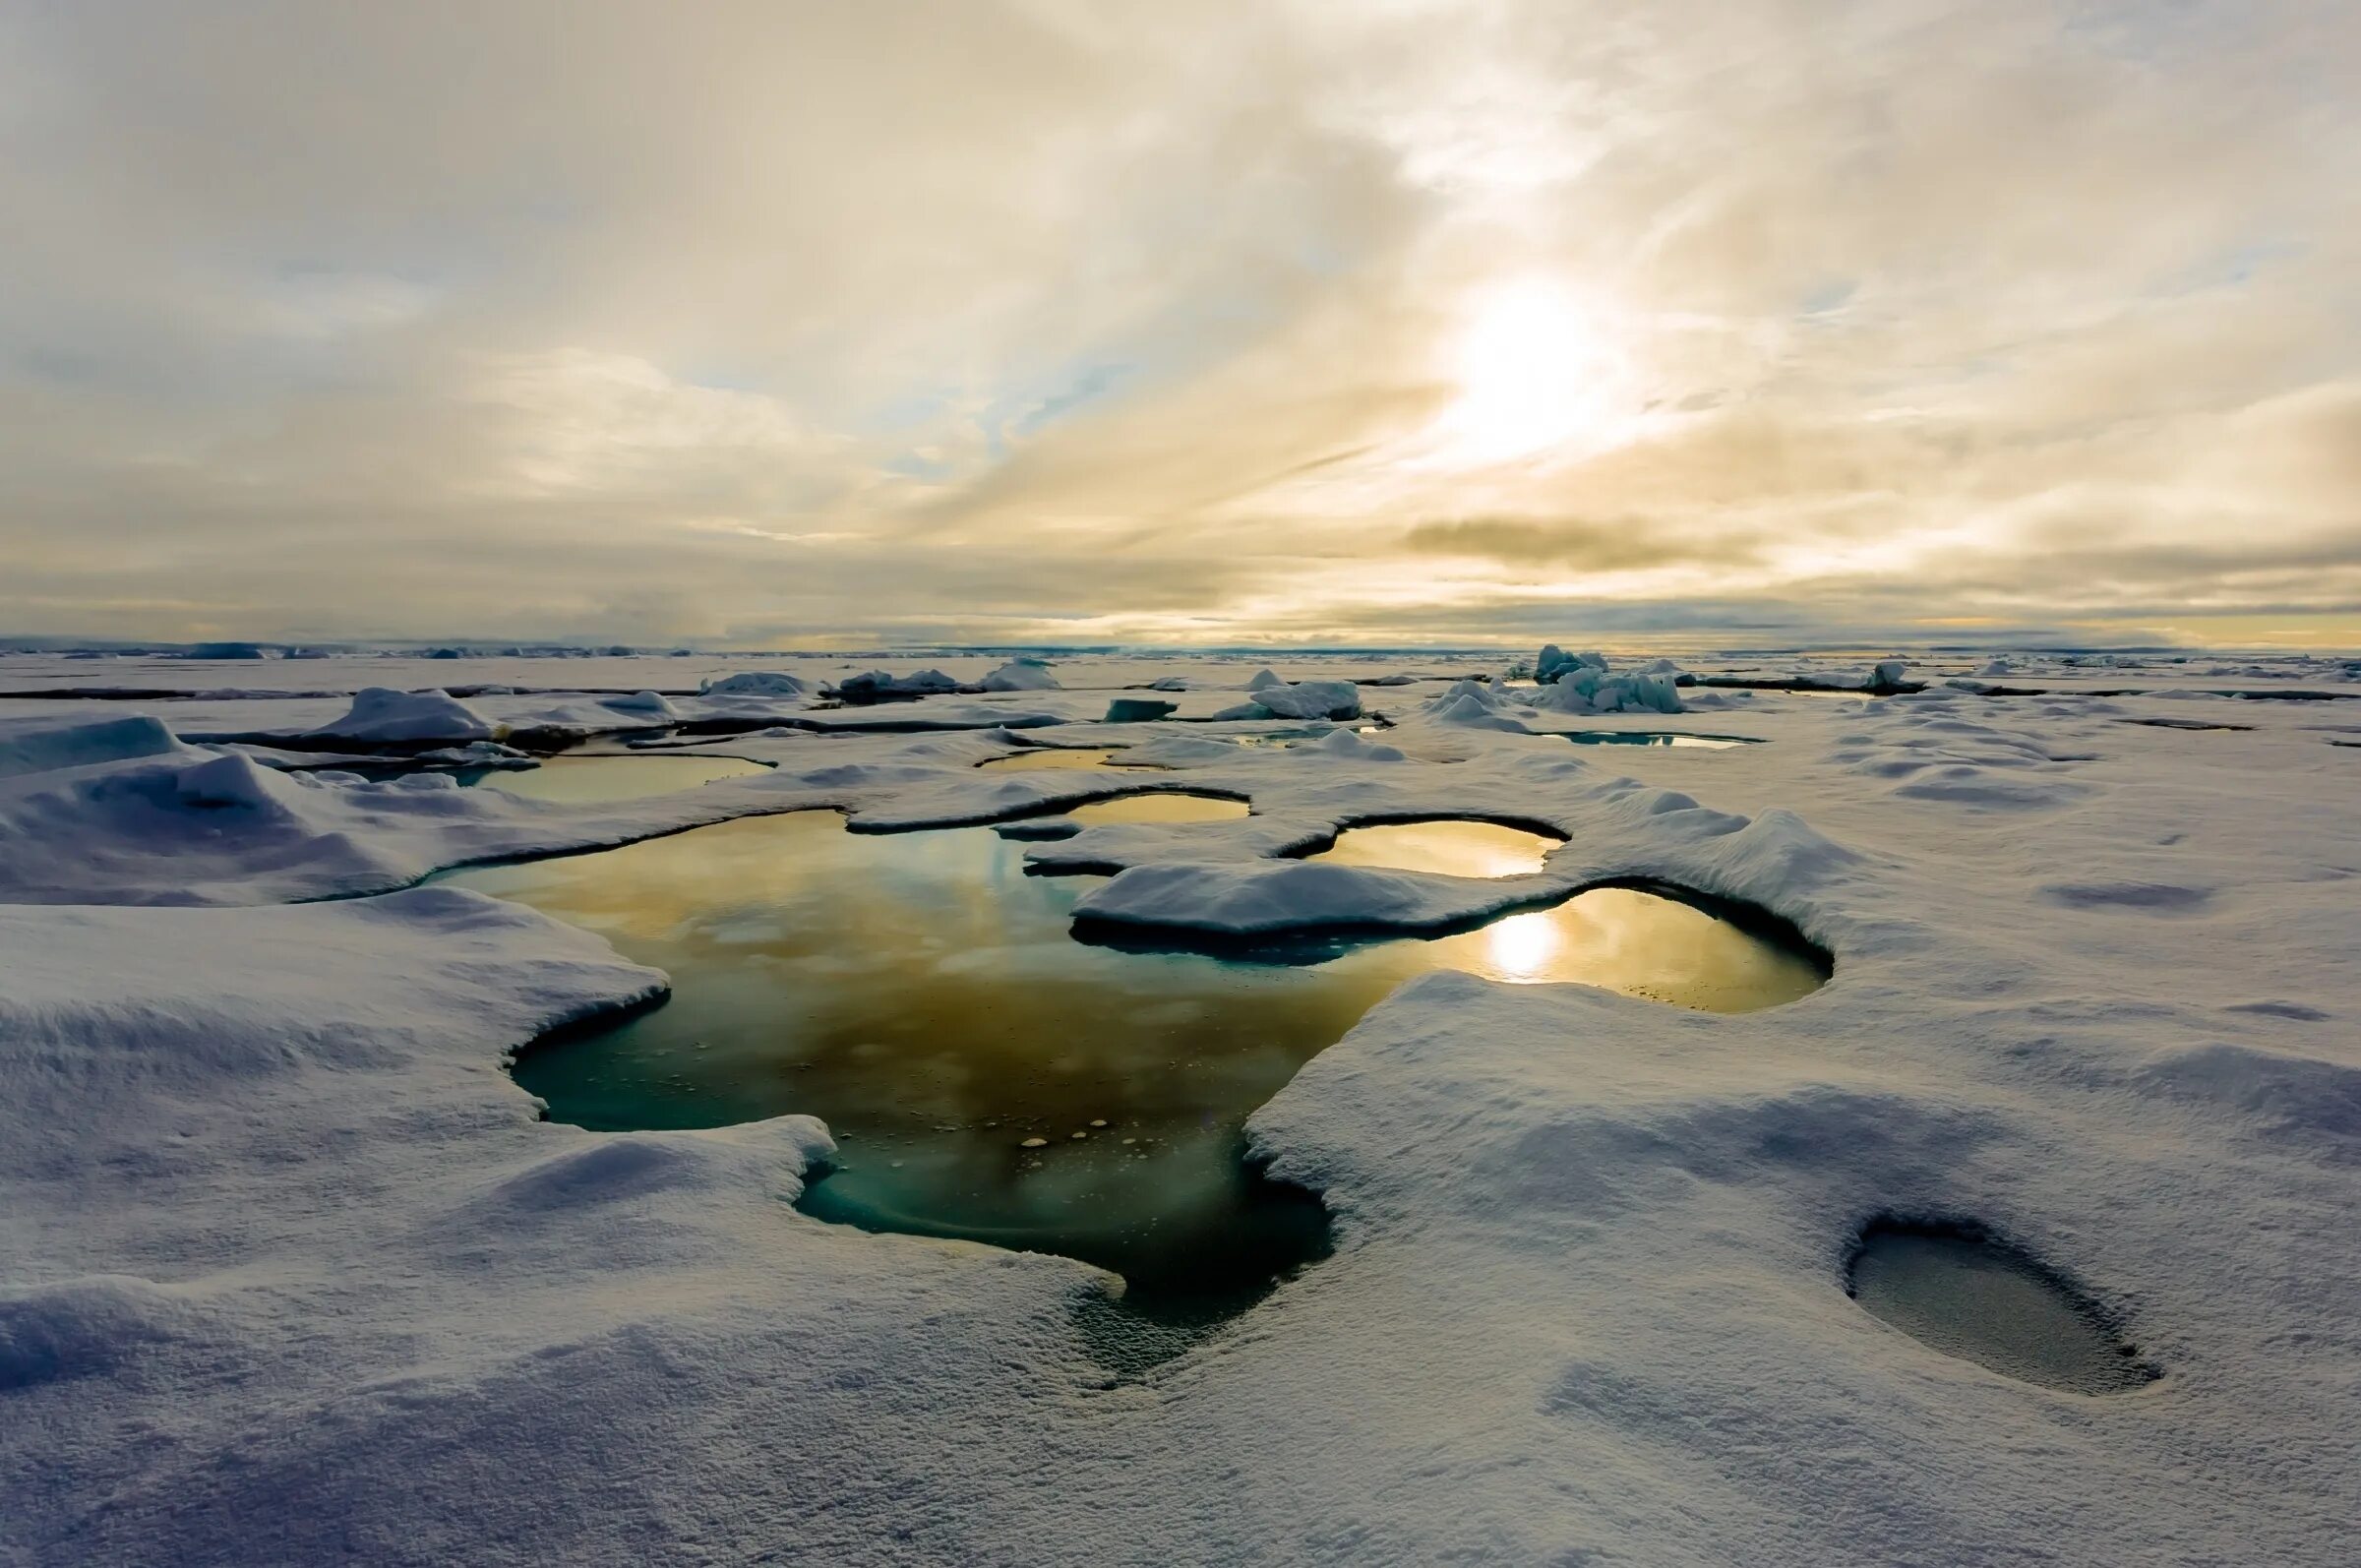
x=651, y=703
x=42, y=745
x=1022, y=674
x=1473, y=707
x=382, y=714
x=1263, y=677
x=86, y=1327
x=1345, y=742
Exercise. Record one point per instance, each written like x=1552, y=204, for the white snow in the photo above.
x=380, y=713
x=289, y=1272
x=650, y=706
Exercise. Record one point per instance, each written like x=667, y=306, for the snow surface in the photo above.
x=289, y=1272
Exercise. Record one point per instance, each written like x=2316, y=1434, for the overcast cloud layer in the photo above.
x=808, y=323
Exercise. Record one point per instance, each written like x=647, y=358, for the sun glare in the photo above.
x=1534, y=374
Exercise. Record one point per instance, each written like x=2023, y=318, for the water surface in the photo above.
x=1162, y=806
x=1711, y=743
x=992, y=1078
x=1455, y=848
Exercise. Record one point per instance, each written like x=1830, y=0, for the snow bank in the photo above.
x=380, y=715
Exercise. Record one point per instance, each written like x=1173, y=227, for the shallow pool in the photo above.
x=992, y=1078
x=1460, y=847
x=1163, y=806
x=1970, y=1297
x=1711, y=743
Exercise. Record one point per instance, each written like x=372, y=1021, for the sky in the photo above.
x=1327, y=321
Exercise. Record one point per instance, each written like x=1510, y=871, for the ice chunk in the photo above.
x=756, y=683
x=881, y=686
x=1554, y=663
x=1584, y=685
x=1312, y=699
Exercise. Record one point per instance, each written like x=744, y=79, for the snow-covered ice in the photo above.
x=379, y=713
x=291, y=1272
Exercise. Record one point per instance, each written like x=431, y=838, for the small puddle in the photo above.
x=1458, y=848
x=1162, y=806
x=992, y=1078
x=1952, y=1289
x=591, y=780
x=1710, y=743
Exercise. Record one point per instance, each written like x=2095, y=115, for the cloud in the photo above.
x=1043, y=318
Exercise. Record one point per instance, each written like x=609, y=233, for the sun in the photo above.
x=1534, y=370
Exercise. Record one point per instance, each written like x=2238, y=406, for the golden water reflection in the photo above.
x=1462, y=848
x=1161, y=807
